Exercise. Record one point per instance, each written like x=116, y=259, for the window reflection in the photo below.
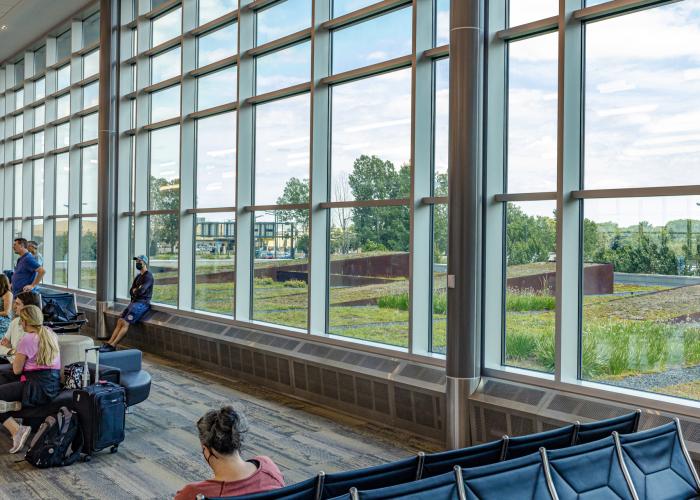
x=526, y=11
x=91, y=63
x=217, y=45
x=216, y=161
x=165, y=65
x=281, y=19
x=166, y=26
x=283, y=68
x=219, y=87
x=88, y=180
x=213, y=9
x=62, y=184
x=164, y=193
x=165, y=104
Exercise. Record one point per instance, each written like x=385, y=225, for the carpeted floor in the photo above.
x=161, y=451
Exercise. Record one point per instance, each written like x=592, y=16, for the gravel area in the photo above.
x=652, y=381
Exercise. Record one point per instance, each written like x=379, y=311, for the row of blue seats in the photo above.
x=647, y=465
x=325, y=486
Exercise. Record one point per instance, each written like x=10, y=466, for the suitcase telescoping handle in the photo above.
x=97, y=364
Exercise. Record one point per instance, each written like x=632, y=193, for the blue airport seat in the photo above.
x=518, y=479
x=593, y=431
x=442, y=487
x=370, y=478
x=659, y=464
x=435, y=464
x=591, y=471
x=305, y=490
x=525, y=445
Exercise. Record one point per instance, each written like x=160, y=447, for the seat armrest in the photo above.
x=107, y=372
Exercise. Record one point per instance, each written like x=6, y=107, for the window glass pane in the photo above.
x=19, y=149
x=162, y=252
x=165, y=65
x=63, y=46
x=376, y=40
x=280, y=289
x=19, y=99
x=19, y=123
x=641, y=278
x=38, y=191
x=532, y=114
x=91, y=95
x=63, y=106
x=526, y=11
x=530, y=280
x=40, y=60
x=165, y=170
x=165, y=104
x=282, y=151
x=371, y=137
x=438, y=340
x=91, y=63
x=217, y=45
x=18, y=191
x=282, y=19
x=88, y=180
x=442, y=117
x=88, y=253
x=89, y=124
x=62, y=135
x=166, y=26
x=214, y=265
x=62, y=184
x=39, y=115
x=217, y=88
x=216, y=161
x=283, y=68
x=63, y=77
x=643, y=99
x=442, y=22
x=213, y=9
x=38, y=140
x=38, y=236
x=40, y=89
x=60, y=252
x=369, y=269
x=341, y=7
x=91, y=30
x=19, y=71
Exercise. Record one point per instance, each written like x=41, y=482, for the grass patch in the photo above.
x=529, y=301
x=400, y=302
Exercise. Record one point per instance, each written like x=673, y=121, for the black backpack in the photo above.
x=58, y=442
x=53, y=312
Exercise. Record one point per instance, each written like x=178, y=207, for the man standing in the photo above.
x=33, y=248
x=28, y=272
x=141, y=293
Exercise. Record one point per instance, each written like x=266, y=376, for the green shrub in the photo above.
x=440, y=302
x=295, y=284
x=691, y=346
x=399, y=302
x=520, y=345
x=545, y=353
x=529, y=301
x=264, y=281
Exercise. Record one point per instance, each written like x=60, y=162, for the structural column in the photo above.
x=106, y=173
x=465, y=208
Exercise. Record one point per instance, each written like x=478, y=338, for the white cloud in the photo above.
x=615, y=86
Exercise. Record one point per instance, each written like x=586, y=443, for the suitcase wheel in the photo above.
x=114, y=448
x=86, y=458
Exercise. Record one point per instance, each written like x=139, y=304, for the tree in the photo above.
x=385, y=228
x=639, y=253
x=164, y=230
x=296, y=191
x=342, y=233
x=528, y=238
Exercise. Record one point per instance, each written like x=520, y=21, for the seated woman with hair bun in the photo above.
x=221, y=435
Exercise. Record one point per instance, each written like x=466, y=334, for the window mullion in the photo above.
x=568, y=179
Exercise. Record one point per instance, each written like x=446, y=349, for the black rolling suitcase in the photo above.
x=101, y=409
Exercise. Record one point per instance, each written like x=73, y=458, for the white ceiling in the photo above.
x=27, y=20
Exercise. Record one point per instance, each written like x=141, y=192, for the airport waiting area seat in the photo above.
x=593, y=431
x=135, y=380
x=651, y=464
x=61, y=311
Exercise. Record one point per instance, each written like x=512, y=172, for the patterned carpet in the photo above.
x=161, y=451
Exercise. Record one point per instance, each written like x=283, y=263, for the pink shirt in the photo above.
x=267, y=477
x=29, y=346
